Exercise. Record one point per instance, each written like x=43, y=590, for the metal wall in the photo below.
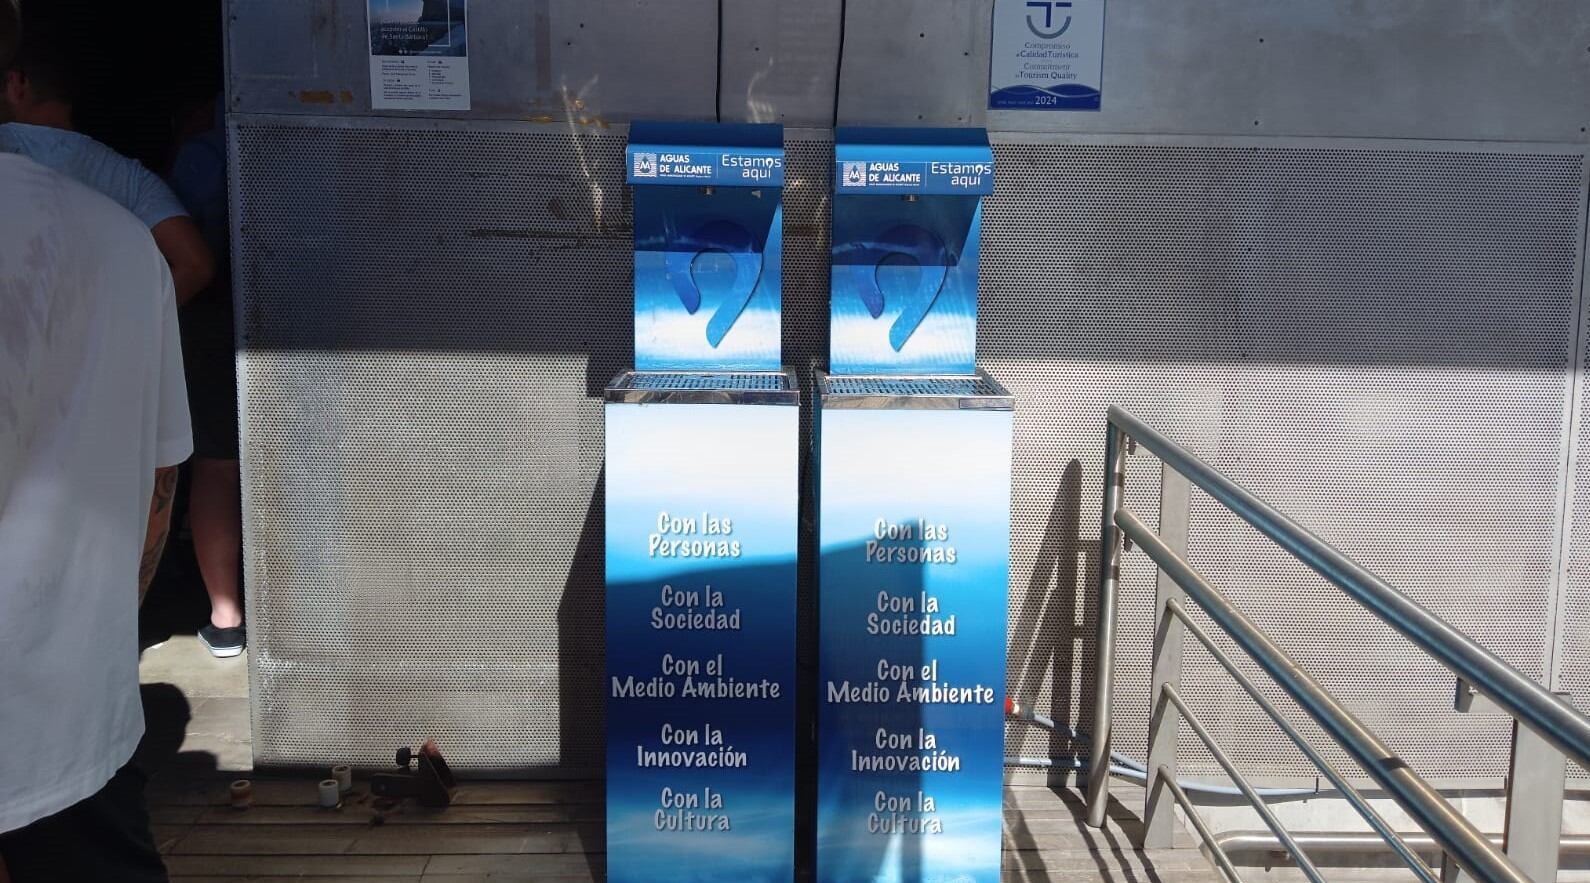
x=1382, y=336
x=1345, y=333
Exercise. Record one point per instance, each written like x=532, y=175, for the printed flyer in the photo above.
x=419, y=55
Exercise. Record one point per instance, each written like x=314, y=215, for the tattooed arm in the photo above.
x=159, y=526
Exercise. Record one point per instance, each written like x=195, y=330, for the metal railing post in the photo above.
x=1104, y=660
x=1159, y=817
x=1536, y=778
x=1451, y=873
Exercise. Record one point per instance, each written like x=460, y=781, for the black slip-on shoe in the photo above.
x=223, y=643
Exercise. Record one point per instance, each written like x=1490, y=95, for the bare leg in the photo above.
x=215, y=513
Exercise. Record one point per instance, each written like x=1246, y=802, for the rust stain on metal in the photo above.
x=317, y=96
x=505, y=233
x=597, y=122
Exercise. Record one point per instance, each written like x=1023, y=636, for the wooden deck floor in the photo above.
x=548, y=832
x=196, y=710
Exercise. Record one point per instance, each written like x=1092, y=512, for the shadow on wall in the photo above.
x=532, y=252
x=582, y=664
x=530, y=255
x=1097, y=259
x=1053, y=636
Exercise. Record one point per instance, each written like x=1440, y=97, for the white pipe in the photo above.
x=1360, y=841
x=1127, y=767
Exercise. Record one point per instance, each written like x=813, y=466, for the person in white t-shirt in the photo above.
x=93, y=416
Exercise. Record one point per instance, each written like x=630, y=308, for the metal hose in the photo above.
x=1125, y=766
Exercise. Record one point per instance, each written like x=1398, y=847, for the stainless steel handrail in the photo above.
x=1409, y=856
x=1212, y=842
x=1340, y=842
x=1109, y=573
x=1259, y=806
x=1518, y=695
x=1555, y=720
x=1429, y=809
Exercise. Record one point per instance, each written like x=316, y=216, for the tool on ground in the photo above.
x=422, y=775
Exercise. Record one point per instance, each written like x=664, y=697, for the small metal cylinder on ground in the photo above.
x=330, y=794
x=344, y=776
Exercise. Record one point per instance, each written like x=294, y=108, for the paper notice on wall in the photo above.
x=1047, y=55
x=419, y=54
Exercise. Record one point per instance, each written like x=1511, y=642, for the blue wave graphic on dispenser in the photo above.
x=1069, y=96
x=715, y=237
x=903, y=294
x=924, y=251
x=707, y=279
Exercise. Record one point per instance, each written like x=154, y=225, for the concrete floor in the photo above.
x=197, y=704
x=552, y=832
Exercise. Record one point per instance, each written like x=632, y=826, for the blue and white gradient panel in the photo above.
x=914, y=539
x=708, y=272
x=708, y=245
x=906, y=216
x=701, y=524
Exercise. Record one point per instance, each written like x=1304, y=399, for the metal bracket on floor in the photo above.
x=423, y=775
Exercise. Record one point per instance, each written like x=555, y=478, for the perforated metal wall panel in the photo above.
x=429, y=316
x=1572, y=656
x=1375, y=336
x=1375, y=340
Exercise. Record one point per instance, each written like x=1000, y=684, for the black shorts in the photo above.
x=102, y=837
x=209, y=362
